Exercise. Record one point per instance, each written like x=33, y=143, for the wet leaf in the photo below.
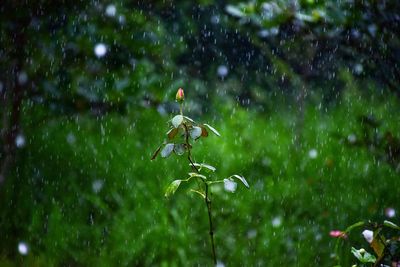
x=212, y=129
x=171, y=189
x=242, y=179
x=194, y=174
x=355, y=225
x=179, y=149
x=391, y=225
x=167, y=150
x=189, y=119
x=203, y=165
x=195, y=132
x=172, y=133
x=156, y=152
x=198, y=192
x=364, y=257
x=204, y=131
x=234, y=11
x=378, y=243
x=177, y=120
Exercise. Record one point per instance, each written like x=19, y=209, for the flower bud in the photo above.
x=180, y=96
x=338, y=234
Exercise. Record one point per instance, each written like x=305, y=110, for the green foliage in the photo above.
x=386, y=250
x=172, y=188
x=52, y=203
x=363, y=256
x=191, y=129
x=299, y=37
x=305, y=109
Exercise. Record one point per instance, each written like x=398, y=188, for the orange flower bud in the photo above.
x=180, y=96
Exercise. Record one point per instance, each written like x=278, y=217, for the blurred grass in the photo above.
x=85, y=192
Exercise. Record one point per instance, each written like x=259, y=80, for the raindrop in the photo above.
x=97, y=185
x=268, y=32
x=390, y=212
x=229, y=185
x=251, y=233
x=222, y=71
x=111, y=10
x=263, y=33
x=20, y=141
x=355, y=34
x=276, y=222
x=22, y=78
x=100, y=50
x=161, y=109
x=266, y=161
x=71, y=138
x=313, y=153
x=133, y=63
x=352, y=138
x=121, y=19
x=358, y=68
x=23, y=248
x=274, y=31
x=215, y=19
x=372, y=30
x=318, y=237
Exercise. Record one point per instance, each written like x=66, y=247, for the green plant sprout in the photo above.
x=182, y=131
x=386, y=247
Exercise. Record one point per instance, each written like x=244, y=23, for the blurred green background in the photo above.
x=304, y=93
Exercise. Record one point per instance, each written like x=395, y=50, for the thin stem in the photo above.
x=206, y=198
x=188, y=147
x=208, y=204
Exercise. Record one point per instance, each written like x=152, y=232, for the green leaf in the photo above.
x=391, y=225
x=156, y=152
x=194, y=174
x=203, y=165
x=167, y=150
x=172, y=133
x=177, y=120
x=242, y=179
x=363, y=256
x=355, y=225
x=189, y=119
x=369, y=258
x=234, y=11
x=179, y=149
x=212, y=129
x=195, y=132
x=198, y=192
x=172, y=188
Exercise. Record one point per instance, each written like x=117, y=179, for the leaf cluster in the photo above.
x=208, y=169
x=182, y=128
x=386, y=248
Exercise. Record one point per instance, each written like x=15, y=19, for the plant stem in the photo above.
x=208, y=203
x=206, y=198
x=209, y=211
